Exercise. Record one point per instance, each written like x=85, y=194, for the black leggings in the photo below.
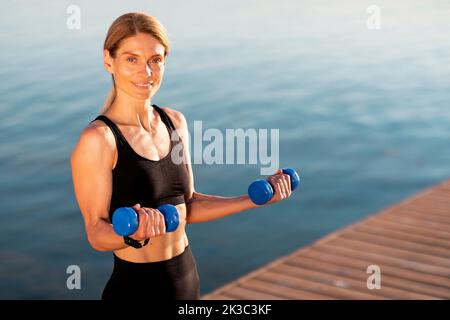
x=176, y=278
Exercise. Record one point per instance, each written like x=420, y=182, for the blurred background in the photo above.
x=363, y=114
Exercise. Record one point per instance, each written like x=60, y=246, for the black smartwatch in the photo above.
x=134, y=243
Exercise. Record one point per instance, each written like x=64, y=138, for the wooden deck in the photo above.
x=410, y=242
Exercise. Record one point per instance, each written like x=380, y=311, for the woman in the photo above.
x=122, y=159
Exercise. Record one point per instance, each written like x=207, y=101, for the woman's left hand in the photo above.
x=281, y=184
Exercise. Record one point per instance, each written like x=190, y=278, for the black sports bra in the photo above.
x=147, y=182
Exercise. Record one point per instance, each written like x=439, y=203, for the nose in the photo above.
x=146, y=70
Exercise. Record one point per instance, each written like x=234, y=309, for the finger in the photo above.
x=282, y=188
x=162, y=224
x=157, y=222
x=143, y=221
x=288, y=181
x=285, y=181
x=277, y=188
x=151, y=230
x=273, y=183
x=136, y=207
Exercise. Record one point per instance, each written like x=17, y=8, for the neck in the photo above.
x=132, y=112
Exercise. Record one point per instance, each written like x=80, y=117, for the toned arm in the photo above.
x=91, y=161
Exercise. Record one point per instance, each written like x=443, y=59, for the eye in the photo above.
x=157, y=60
x=131, y=59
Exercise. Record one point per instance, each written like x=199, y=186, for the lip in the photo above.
x=144, y=85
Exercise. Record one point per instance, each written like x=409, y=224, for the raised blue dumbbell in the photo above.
x=261, y=191
x=125, y=220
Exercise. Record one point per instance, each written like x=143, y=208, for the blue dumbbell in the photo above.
x=125, y=219
x=261, y=191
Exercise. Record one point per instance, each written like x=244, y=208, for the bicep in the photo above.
x=92, y=176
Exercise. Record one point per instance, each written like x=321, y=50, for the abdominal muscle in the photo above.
x=162, y=247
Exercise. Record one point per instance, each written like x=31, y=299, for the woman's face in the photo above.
x=138, y=67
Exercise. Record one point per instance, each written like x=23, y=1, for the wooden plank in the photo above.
x=370, y=228
x=377, y=258
x=421, y=223
x=438, y=199
x=399, y=227
x=430, y=206
x=246, y=294
x=356, y=286
x=440, y=195
x=217, y=297
x=393, y=243
x=393, y=252
x=417, y=213
x=316, y=287
x=281, y=290
x=394, y=267
x=360, y=274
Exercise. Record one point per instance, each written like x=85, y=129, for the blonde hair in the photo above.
x=125, y=26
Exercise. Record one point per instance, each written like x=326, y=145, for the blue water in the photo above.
x=364, y=114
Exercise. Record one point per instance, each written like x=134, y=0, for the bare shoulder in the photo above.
x=178, y=119
x=95, y=139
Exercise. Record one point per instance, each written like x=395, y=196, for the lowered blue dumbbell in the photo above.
x=261, y=191
x=125, y=219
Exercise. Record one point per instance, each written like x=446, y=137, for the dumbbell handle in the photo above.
x=261, y=191
x=125, y=219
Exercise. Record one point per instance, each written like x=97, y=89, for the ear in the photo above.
x=108, y=61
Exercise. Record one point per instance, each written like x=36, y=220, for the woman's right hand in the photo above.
x=151, y=223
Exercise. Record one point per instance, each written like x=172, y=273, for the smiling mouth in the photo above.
x=145, y=85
